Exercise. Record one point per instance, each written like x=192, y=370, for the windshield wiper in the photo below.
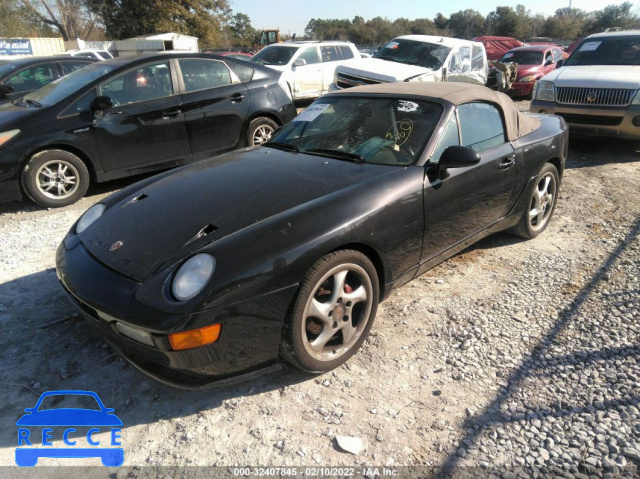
x=338, y=154
x=281, y=146
x=33, y=102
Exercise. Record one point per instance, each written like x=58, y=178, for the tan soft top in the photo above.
x=517, y=123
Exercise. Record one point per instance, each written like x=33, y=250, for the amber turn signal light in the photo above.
x=195, y=338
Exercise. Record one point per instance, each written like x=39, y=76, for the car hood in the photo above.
x=158, y=225
x=383, y=70
x=596, y=76
x=524, y=70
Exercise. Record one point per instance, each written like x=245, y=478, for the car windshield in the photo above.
x=275, y=55
x=67, y=401
x=427, y=55
x=615, y=50
x=382, y=131
x=63, y=87
x=523, y=57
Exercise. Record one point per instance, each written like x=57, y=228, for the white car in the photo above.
x=597, y=89
x=418, y=58
x=90, y=53
x=307, y=67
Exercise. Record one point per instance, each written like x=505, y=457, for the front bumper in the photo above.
x=521, y=88
x=601, y=121
x=248, y=343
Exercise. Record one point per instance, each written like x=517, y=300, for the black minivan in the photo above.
x=132, y=115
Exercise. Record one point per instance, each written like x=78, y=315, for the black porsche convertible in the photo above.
x=220, y=269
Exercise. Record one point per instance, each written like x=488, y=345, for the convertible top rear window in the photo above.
x=379, y=130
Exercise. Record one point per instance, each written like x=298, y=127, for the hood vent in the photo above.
x=207, y=230
x=135, y=200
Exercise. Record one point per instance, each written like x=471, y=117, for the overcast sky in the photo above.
x=293, y=16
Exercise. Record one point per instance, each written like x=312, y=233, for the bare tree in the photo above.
x=72, y=18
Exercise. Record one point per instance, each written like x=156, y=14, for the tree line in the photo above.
x=516, y=22
x=217, y=26
x=212, y=21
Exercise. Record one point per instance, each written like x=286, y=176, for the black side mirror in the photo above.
x=548, y=62
x=559, y=63
x=101, y=103
x=5, y=90
x=456, y=157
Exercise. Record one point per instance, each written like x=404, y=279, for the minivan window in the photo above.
x=272, y=55
x=310, y=55
x=346, y=52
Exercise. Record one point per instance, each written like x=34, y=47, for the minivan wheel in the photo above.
x=55, y=178
x=260, y=131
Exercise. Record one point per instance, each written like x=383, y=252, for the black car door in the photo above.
x=471, y=198
x=215, y=105
x=146, y=124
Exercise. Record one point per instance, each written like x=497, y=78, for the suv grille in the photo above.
x=595, y=96
x=347, y=81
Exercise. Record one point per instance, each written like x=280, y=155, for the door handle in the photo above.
x=170, y=114
x=507, y=163
x=236, y=97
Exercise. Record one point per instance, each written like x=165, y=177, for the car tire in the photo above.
x=332, y=313
x=259, y=131
x=55, y=178
x=541, y=204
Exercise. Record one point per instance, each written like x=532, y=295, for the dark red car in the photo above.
x=534, y=62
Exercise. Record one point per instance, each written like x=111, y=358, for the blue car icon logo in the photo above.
x=69, y=418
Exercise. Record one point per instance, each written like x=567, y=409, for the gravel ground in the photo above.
x=514, y=358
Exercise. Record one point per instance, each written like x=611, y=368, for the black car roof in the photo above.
x=120, y=62
x=26, y=61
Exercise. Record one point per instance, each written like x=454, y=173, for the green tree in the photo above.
x=205, y=19
x=71, y=18
x=613, y=16
x=566, y=23
x=16, y=20
x=242, y=31
x=466, y=24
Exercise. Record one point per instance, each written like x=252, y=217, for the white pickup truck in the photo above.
x=417, y=58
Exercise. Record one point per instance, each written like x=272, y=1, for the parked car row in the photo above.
x=169, y=109
x=412, y=172
x=132, y=115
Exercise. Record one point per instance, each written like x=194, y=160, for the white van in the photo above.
x=307, y=67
